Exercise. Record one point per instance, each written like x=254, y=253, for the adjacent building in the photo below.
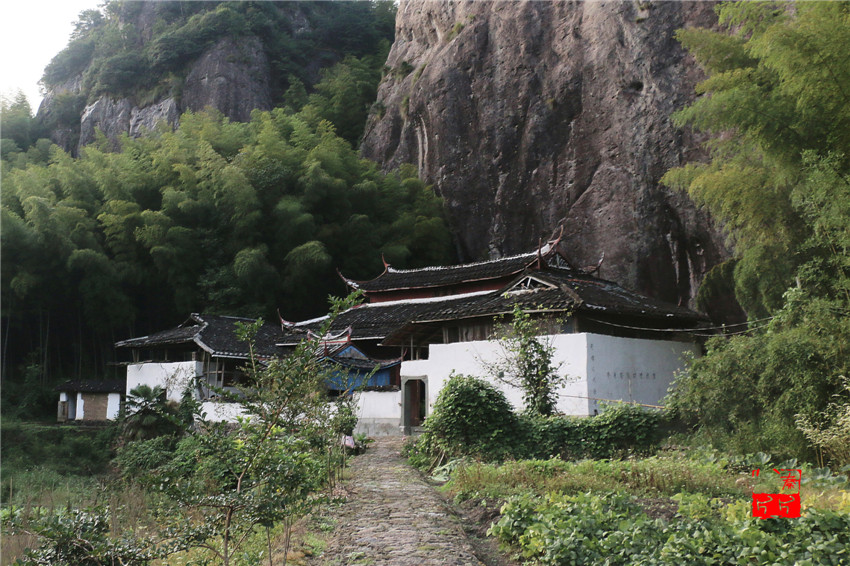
x=418, y=326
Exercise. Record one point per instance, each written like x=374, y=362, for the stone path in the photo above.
x=392, y=517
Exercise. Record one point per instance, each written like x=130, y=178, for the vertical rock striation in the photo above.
x=527, y=116
x=231, y=77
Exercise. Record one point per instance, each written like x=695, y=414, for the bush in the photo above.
x=619, y=429
x=471, y=417
x=82, y=538
x=142, y=456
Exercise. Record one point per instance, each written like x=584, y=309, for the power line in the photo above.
x=690, y=330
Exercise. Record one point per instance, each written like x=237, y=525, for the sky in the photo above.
x=31, y=33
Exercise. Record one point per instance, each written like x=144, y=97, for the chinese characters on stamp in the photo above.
x=784, y=504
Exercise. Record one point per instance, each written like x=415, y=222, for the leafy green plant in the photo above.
x=83, y=538
x=663, y=475
x=147, y=414
x=615, y=529
x=471, y=417
x=527, y=362
x=834, y=437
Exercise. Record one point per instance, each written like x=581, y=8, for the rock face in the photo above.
x=528, y=116
x=232, y=77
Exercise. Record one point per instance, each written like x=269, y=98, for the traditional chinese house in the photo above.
x=205, y=353
x=417, y=326
x=90, y=400
x=616, y=344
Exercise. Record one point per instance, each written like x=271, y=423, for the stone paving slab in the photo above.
x=393, y=517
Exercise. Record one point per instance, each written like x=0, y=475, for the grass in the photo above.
x=660, y=476
x=657, y=475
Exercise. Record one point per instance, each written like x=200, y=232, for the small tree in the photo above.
x=147, y=414
x=527, y=362
x=264, y=469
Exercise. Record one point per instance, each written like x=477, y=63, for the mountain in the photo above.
x=526, y=116
x=133, y=65
x=529, y=116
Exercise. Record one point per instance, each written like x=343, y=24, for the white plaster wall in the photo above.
x=81, y=407
x=592, y=362
x=379, y=405
x=63, y=396
x=226, y=412
x=571, y=358
x=631, y=369
x=113, y=405
x=378, y=413
x=173, y=376
x=470, y=358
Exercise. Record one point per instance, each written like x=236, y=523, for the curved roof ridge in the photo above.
x=530, y=255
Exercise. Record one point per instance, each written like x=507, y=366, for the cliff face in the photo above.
x=232, y=77
x=527, y=116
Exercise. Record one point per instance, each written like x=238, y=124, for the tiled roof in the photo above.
x=396, y=279
x=92, y=386
x=370, y=321
x=215, y=334
x=558, y=290
x=599, y=295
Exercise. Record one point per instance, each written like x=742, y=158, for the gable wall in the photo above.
x=173, y=376
x=633, y=369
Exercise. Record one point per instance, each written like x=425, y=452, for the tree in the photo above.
x=16, y=122
x=147, y=414
x=777, y=101
x=527, y=362
x=778, y=90
x=226, y=481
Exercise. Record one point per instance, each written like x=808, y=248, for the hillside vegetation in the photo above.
x=776, y=103
x=217, y=216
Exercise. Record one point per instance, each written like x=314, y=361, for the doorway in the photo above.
x=414, y=404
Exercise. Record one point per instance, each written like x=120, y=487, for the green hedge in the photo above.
x=473, y=418
x=618, y=429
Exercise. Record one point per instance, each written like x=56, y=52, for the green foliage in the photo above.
x=778, y=80
x=148, y=415
x=470, y=417
x=216, y=216
x=662, y=475
x=473, y=418
x=344, y=96
x=114, y=57
x=779, y=180
x=67, y=450
x=834, y=437
x=615, y=529
x=141, y=456
x=83, y=538
x=16, y=123
x=526, y=362
x=619, y=429
x=745, y=392
x=223, y=481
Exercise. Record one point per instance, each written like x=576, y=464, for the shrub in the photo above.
x=471, y=417
x=619, y=429
x=82, y=538
x=142, y=456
